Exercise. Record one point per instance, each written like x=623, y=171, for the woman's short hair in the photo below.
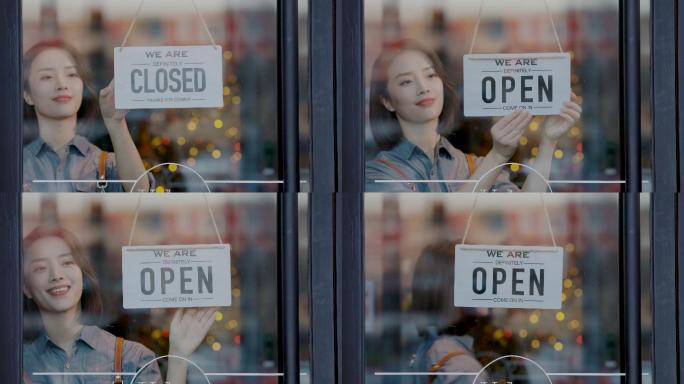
x=89, y=105
x=91, y=298
x=383, y=123
x=432, y=293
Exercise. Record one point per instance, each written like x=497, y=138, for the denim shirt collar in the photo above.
x=406, y=149
x=89, y=336
x=79, y=142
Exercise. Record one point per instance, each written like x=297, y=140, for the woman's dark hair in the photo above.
x=383, y=123
x=91, y=299
x=433, y=295
x=89, y=104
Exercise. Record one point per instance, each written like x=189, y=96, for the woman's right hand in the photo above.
x=507, y=132
x=188, y=328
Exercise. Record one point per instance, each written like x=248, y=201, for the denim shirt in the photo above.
x=81, y=162
x=449, y=164
x=93, y=352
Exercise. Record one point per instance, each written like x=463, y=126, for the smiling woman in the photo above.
x=59, y=160
x=412, y=109
x=60, y=284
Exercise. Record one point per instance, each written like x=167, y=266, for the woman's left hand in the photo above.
x=188, y=328
x=553, y=127
x=107, y=104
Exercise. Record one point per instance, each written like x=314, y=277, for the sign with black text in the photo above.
x=491, y=276
x=172, y=276
x=495, y=85
x=168, y=77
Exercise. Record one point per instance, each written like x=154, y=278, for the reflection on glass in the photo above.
x=411, y=321
x=590, y=150
x=236, y=142
x=240, y=338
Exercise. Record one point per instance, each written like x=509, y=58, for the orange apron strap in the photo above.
x=438, y=365
x=102, y=166
x=27, y=378
x=118, y=355
x=394, y=167
x=471, y=163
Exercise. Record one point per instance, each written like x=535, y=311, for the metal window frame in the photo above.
x=664, y=215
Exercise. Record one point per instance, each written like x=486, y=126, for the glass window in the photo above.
x=412, y=322
x=584, y=157
x=234, y=147
x=242, y=339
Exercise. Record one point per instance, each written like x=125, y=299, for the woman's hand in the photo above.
x=188, y=328
x=554, y=127
x=107, y=105
x=507, y=132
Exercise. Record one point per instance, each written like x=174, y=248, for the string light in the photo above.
x=173, y=167
x=558, y=153
x=193, y=151
x=180, y=140
x=236, y=292
x=567, y=283
x=558, y=346
x=523, y=333
x=578, y=293
x=515, y=167
x=560, y=316
x=226, y=91
x=569, y=247
x=236, y=100
x=218, y=124
x=523, y=140
x=227, y=55
x=535, y=344
x=159, y=189
x=534, y=318
x=218, y=316
x=535, y=151
x=574, y=132
x=216, y=154
x=216, y=346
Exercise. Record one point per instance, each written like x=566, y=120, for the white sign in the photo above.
x=168, y=77
x=495, y=85
x=171, y=276
x=491, y=276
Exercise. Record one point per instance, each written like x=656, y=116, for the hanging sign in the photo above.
x=497, y=84
x=172, y=276
x=168, y=77
x=492, y=276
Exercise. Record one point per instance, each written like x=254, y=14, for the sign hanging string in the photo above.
x=206, y=201
x=137, y=14
x=479, y=17
x=541, y=197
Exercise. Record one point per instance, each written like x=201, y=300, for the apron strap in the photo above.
x=438, y=365
x=118, y=355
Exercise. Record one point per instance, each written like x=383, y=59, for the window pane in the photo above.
x=243, y=338
x=410, y=312
x=237, y=142
x=588, y=150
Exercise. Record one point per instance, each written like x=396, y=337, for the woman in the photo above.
x=447, y=344
x=59, y=284
x=55, y=81
x=412, y=108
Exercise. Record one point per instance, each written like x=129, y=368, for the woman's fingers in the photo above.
x=520, y=122
x=505, y=120
x=574, y=113
x=514, y=135
x=573, y=106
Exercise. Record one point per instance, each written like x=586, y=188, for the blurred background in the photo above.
x=583, y=336
x=588, y=29
x=244, y=337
